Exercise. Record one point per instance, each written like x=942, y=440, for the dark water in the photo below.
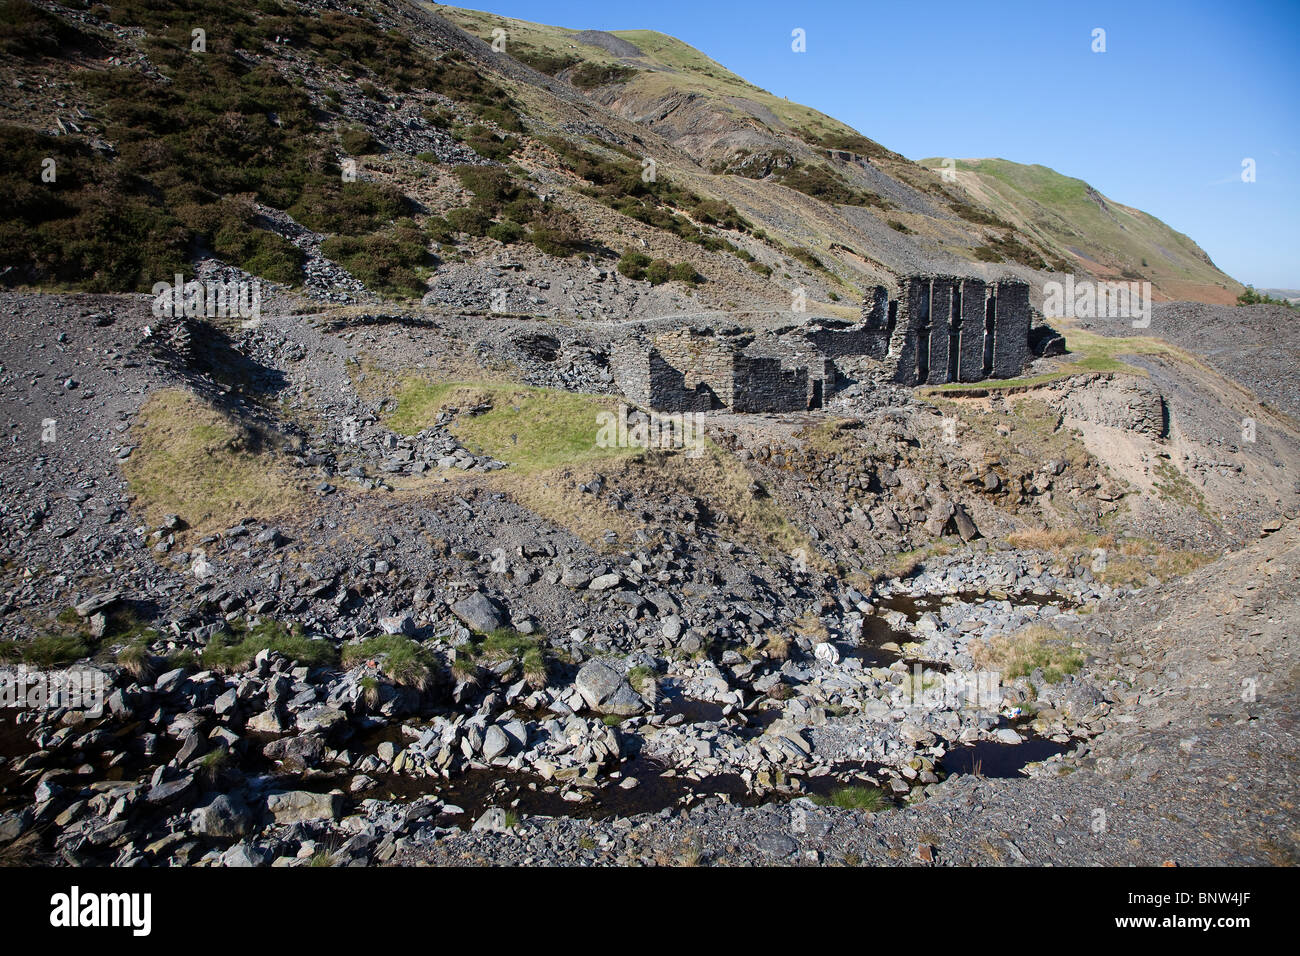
x=475, y=791
x=998, y=760
x=877, y=632
x=914, y=605
x=695, y=711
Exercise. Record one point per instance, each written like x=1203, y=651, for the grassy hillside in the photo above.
x=662, y=63
x=1099, y=234
x=1007, y=212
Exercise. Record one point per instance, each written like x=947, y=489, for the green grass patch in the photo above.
x=1020, y=654
x=639, y=675
x=534, y=429
x=404, y=660
x=505, y=643
x=235, y=649
x=45, y=650
x=193, y=461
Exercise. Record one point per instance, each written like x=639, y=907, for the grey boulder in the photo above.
x=606, y=691
x=479, y=612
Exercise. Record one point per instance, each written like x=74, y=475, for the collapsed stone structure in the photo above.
x=933, y=329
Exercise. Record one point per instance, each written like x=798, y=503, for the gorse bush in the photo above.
x=28, y=31
x=497, y=196
x=349, y=209
x=358, y=142
x=217, y=126
x=541, y=60
x=591, y=75
x=93, y=227
x=637, y=265
x=487, y=143
x=387, y=261
x=821, y=183
x=230, y=229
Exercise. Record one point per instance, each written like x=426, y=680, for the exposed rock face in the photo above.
x=1123, y=402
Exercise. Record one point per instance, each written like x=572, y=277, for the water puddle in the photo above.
x=912, y=606
x=475, y=791
x=999, y=761
x=692, y=710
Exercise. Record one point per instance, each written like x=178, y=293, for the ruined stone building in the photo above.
x=931, y=330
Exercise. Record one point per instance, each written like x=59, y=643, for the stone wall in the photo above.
x=951, y=328
x=1011, y=330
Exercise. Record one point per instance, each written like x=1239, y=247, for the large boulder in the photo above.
x=222, y=817
x=606, y=691
x=296, y=753
x=98, y=602
x=320, y=720
x=301, y=806
x=1080, y=699
x=495, y=743
x=480, y=613
x=965, y=526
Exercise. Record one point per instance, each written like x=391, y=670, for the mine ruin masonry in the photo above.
x=932, y=330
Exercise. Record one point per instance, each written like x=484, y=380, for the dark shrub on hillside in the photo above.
x=506, y=231
x=28, y=31
x=93, y=227
x=632, y=264
x=823, y=184
x=358, y=142
x=556, y=231
x=350, y=209
x=230, y=229
x=683, y=272
x=657, y=271
x=591, y=75
x=471, y=220
x=488, y=144
x=541, y=60
x=387, y=261
x=439, y=230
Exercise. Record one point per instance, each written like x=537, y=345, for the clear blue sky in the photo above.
x=1161, y=121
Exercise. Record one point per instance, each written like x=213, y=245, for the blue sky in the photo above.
x=1161, y=121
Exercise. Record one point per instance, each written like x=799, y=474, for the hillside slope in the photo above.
x=1100, y=235
x=575, y=157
